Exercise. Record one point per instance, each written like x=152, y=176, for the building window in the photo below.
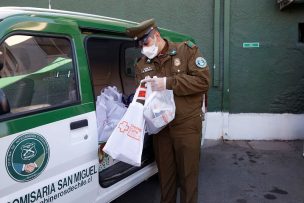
x=301, y=32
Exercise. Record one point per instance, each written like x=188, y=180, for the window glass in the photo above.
x=132, y=55
x=37, y=72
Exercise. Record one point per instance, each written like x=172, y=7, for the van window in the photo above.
x=132, y=54
x=37, y=72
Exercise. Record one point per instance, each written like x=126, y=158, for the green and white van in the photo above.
x=53, y=65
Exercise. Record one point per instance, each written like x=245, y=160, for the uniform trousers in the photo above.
x=177, y=154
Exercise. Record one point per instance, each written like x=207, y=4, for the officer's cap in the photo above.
x=142, y=30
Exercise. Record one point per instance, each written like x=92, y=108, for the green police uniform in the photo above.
x=177, y=147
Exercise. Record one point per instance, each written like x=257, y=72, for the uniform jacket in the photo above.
x=186, y=76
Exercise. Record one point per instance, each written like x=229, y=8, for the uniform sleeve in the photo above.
x=196, y=80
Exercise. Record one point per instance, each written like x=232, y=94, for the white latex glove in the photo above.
x=157, y=84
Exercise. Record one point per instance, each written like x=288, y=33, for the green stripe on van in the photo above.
x=17, y=125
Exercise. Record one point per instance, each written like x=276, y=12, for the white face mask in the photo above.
x=150, y=51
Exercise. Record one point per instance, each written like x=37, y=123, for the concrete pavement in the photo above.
x=241, y=172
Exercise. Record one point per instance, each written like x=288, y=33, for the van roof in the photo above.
x=83, y=20
x=6, y=12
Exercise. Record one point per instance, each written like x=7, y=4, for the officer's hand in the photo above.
x=157, y=84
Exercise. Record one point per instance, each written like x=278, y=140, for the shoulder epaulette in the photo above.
x=190, y=44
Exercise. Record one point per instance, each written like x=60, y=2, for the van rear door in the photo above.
x=48, y=136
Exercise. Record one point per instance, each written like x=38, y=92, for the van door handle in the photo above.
x=79, y=124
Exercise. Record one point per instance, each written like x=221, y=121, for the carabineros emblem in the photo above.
x=27, y=156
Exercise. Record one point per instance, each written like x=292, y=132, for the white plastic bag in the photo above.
x=126, y=142
x=159, y=109
x=109, y=110
x=101, y=115
x=113, y=93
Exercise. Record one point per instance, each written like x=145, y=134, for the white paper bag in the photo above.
x=126, y=141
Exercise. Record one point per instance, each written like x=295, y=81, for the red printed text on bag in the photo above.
x=130, y=130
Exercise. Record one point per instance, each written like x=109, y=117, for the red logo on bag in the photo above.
x=123, y=126
x=131, y=131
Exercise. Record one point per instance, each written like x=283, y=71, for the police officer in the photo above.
x=179, y=67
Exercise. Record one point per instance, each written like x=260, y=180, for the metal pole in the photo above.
x=216, y=43
x=226, y=90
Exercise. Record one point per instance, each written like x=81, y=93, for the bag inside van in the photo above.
x=112, y=62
